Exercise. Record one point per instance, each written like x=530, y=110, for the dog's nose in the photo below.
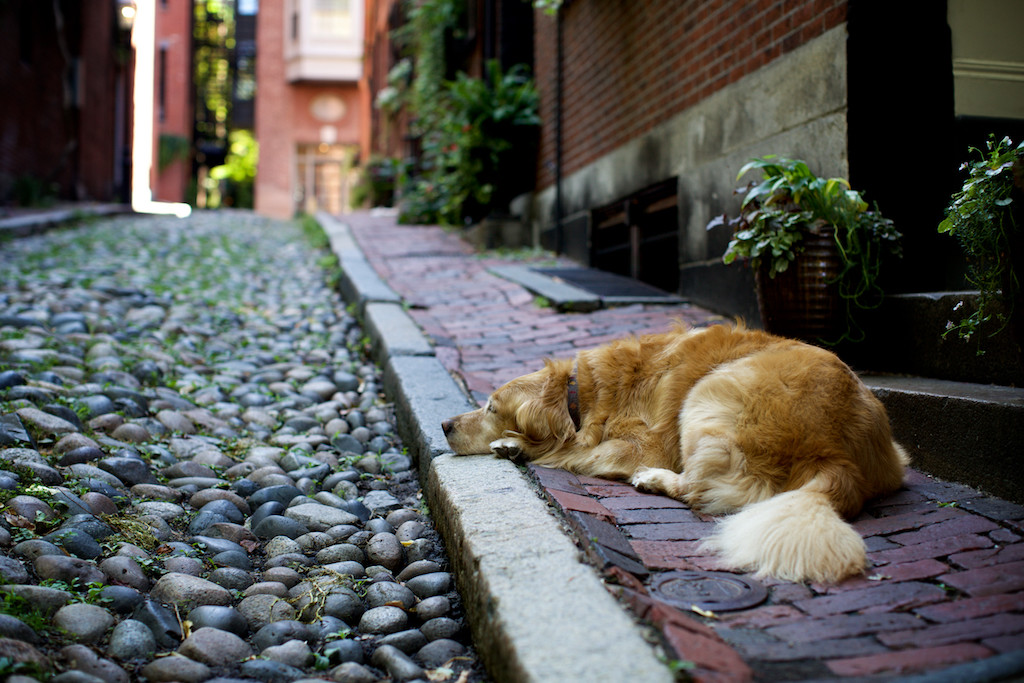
x=447, y=426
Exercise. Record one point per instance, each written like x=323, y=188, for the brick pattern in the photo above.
x=922, y=605
x=666, y=54
x=946, y=582
x=488, y=330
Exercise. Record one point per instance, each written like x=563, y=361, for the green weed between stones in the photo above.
x=21, y=608
x=10, y=667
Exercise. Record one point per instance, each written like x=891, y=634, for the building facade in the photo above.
x=308, y=108
x=663, y=102
x=650, y=109
x=174, y=102
x=65, y=127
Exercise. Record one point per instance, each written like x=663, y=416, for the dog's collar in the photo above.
x=573, y=397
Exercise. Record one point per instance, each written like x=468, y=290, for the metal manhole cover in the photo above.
x=714, y=591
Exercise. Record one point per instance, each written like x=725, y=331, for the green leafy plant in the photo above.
x=465, y=126
x=10, y=667
x=981, y=216
x=313, y=232
x=391, y=97
x=239, y=169
x=340, y=634
x=22, y=608
x=466, y=149
x=430, y=23
x=791, y=202
x=94, y=594
x=28, y=190
x=376, y=183
x=549, y=6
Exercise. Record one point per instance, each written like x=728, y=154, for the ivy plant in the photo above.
x=466, y=126
x=981, y=216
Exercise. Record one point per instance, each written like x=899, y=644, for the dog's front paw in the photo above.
x=640, y=478
x=508, y=448
x=652, y=479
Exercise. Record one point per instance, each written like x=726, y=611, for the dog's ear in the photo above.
x=544, y=421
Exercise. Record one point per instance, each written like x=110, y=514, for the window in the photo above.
x=161, y=75
x=331, y=19
x=325, y=41
x=638, y=236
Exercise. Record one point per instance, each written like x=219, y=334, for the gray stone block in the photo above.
x=962, y=432
x=393, y=332
x=537, y=612
x=360, y=284
x=425, y=395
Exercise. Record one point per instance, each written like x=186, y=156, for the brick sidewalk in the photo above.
x=946, y=584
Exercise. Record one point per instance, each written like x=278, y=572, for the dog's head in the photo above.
x=531, y=408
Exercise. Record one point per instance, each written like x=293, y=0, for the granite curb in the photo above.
x=537, y=611
x=359, y=284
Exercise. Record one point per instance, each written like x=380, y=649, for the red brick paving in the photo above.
x=578, y=503
x=908, y=661
x=947, y=581
x=1000, y=578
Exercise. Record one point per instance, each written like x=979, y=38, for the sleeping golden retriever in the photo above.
x=729, y=420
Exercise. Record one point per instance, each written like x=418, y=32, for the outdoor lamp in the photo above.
x=125, y=14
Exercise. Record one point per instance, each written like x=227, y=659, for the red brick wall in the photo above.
x=174, y=33
x=283, y=118
x=67, y=143
x=273, y=115
x=629, y=66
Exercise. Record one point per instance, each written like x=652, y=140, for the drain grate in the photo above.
x=605, y=284
x=714, y=591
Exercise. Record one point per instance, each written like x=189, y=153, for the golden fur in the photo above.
x=726, y=419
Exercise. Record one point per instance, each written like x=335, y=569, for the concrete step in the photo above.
x=905, y=336
x=958, y=431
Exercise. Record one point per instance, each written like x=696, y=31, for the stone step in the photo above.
x=958, y=431
x=905, y=336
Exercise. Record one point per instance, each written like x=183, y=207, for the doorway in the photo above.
x=323, y=175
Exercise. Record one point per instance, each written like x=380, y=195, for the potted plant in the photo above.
x=816, y=249
x=987, y=217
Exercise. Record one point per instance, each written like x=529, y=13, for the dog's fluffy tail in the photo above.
x=795, y=536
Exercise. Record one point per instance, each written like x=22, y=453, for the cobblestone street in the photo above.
x=196, y=459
